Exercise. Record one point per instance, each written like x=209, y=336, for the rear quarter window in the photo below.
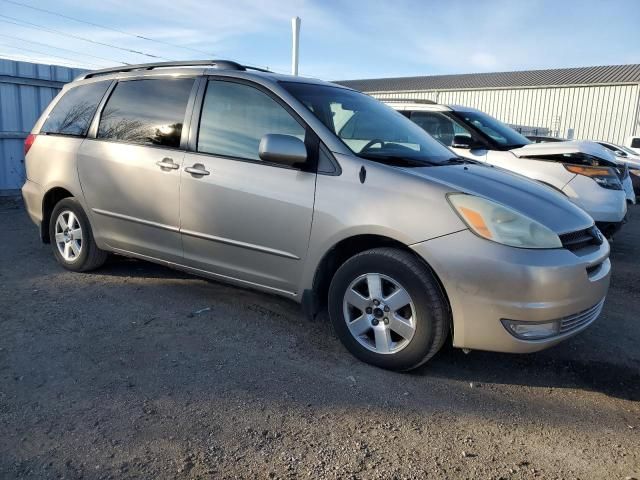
x=148, y=112
x=72, y=115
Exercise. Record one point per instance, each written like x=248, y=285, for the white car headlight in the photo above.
x=501, y=224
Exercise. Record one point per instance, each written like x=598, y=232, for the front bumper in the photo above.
x=486, y=282
x=602, y=204
x=635, y=181
x=609, y=229
x=629, y=189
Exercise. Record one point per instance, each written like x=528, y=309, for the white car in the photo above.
x=628, y=157
x=584, y=171
x=623, y=154
x=633, y=143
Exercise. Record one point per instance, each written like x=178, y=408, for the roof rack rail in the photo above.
x=222, y=64
x=407, y=100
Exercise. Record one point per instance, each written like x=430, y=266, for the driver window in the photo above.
x=235, y=117
x=439, y=126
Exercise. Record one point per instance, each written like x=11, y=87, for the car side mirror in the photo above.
x=620, y=153
x=284, y=149
x=464, y=141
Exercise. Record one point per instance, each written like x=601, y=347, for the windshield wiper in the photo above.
x=398, y=161
x=459, y=161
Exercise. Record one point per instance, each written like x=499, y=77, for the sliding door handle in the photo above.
x=167, y=164
x=197, y=169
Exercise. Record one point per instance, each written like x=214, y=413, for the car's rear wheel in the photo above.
x=72, y=238
x=388, y=309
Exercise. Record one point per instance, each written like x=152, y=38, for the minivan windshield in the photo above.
x=500, y=133
x=369, y=128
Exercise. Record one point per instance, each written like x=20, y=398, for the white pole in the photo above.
x=295, y=27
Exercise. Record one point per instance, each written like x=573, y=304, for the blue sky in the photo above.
x=339, y=39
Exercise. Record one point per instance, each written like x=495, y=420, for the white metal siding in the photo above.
x=602, y=112
x=25, y=91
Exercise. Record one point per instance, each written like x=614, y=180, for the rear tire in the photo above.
x=72, y=238
x=388, y=310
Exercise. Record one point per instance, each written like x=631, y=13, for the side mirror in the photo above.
x=620, y=153
x=284, y=149
x=464, y=141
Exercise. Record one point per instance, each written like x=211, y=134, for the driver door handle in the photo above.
x=197, y=169
x=167, y=163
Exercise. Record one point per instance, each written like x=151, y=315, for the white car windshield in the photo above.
x=627, y=150
x=370, y=128
x=493, y=128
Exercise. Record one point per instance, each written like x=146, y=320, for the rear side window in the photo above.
x=148, y=112
x=236, y=116
x=635, y=143
x=72, y=115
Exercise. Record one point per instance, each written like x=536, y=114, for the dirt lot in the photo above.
x=136, y=371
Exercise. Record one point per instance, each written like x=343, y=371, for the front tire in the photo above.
x=72, y=238
x=388, y=310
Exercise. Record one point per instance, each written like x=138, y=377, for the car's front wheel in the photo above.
x=72, y=238
x=388, y=309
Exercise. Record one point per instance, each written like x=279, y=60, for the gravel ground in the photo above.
x=137, y=371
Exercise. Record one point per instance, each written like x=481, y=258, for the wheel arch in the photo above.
x=49, y=201
x=316, y=299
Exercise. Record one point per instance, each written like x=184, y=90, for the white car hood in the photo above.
x=632, y=162
x=559, y=148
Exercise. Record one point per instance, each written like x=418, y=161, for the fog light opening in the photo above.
x=531, y=330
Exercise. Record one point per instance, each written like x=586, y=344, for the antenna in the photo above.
x=295, y=30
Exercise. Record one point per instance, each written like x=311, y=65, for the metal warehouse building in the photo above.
x=591, y=103
x=25, y=91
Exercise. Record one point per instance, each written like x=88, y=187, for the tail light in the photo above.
x=28, y=142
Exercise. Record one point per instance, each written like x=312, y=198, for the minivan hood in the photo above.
x=560, y=148
x=535, y=200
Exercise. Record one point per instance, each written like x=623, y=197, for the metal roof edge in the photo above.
x=529, y=87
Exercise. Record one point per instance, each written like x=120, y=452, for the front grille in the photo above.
x=582, y=238
x=573, y=322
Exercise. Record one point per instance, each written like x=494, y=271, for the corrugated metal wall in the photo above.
x=25, y=91
x=608, y=113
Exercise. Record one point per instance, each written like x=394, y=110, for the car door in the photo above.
x=130, y=169
x=243, y=218
x=449, y=132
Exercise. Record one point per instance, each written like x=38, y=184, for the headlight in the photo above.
x=501, y=224
x=603, y=176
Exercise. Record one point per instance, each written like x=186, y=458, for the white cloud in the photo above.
x=350, y=39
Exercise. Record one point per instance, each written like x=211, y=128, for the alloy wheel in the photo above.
x=68, y=235
x=379, y=313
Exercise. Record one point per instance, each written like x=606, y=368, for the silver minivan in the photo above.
x=239, y=175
